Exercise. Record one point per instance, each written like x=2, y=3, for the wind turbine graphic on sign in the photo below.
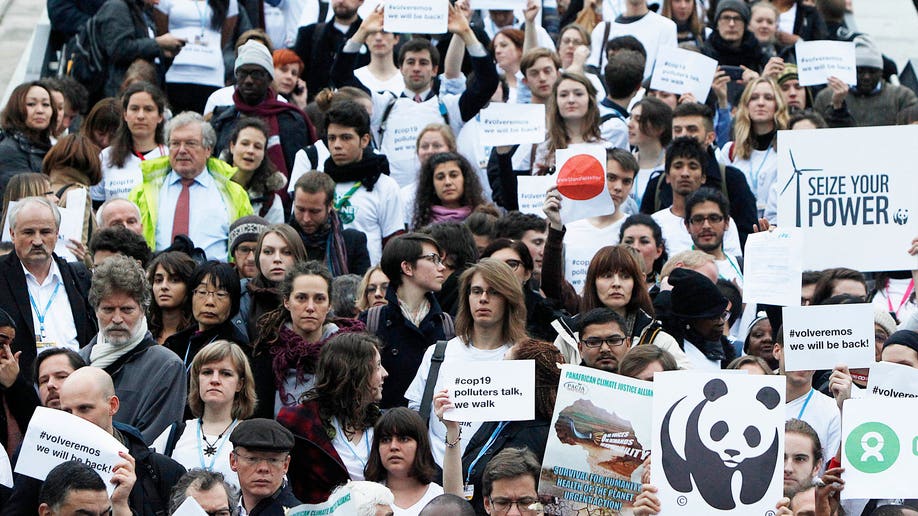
x=798, y=173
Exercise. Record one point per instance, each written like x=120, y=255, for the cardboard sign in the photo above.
x=581, y=180
x=190, y=507
x=502, y=390
x=54, y=437
x=853, y=200
x=889, y=380
x=416, y=16
x=773, y=265
x=340, y=503
x=530, y=192
x=819, y=60
x=682, y=71
x=821, y=337
x=597, y=443
x=510, y=124
x=718, y=442
x=878, y=448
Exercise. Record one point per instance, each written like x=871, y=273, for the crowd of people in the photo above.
x=274, y=221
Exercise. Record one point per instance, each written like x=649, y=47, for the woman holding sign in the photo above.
x=573, y=117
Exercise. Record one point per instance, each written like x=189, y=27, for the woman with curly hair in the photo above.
x=169, y=275
x=573, y=117
x=284, y=357
x=256, y=174
x=333, y=423
x=448, y=190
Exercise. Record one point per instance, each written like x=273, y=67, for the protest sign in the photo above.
x=851, y=201
x=190, y=507
x=773, y=264
x=821, y=337
x=510, y=124
x=71, y=223
x=581, y=180
x=498, y=4
x=878, y=448
x=416, y=16
x=502, y=390
x=55, y=436
x=399, y=142
x=597, y=443
x=819, y=60
x=339, y=504
x=679, y=71
x=718, y=442
x=889, y=380
x=577, y=260
x=530, y=191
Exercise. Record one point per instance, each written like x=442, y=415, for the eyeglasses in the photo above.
x=613, y=341
x=698, y=220
x=371, y=289
x=728, y=18
x=478, y=291
x=513, y=264
x=258, y=75
x=190, y=144
x=432, y=257
x=272, y=462
x=219, y=295
x=526, y=505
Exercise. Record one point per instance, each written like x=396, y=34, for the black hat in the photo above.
x=905, y=338
x=695, y=296
x=738, y=6
x=262, y=434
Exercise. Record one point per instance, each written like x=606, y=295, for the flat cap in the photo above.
x=262, y=434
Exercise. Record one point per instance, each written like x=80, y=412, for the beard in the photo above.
x=344, y=12
x=122, y=335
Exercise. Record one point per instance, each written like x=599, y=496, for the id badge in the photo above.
x=43, y=344
x=468, y=490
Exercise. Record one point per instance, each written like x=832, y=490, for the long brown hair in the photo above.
x=558, y=137
x=613, y=259
x=499, y=277
x=547, y=357
x=14, y=115
x=343, y=375
x=402, y=422
x=742, y=123
x=244, y=400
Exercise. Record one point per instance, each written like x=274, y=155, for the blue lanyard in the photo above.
x=484, y=449
x=201, y=17
x=366, y=441
x=755, y=177
x=217, y=454
x=41, y=314
x=805, y=403
x=735, y=266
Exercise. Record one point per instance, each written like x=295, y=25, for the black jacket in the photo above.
x=15, y=301
x=21, y=400
x=156, y=475
x=19, y=154
x=748, y=54
x=127, y=40
x=68, y=16
x=292, y=128
x=355, y=245
x=317, y=45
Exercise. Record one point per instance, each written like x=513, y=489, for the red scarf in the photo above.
x=268, y=110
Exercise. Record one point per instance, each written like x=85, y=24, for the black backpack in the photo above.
x=86, y=60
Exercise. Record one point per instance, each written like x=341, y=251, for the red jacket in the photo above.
x=315, y=467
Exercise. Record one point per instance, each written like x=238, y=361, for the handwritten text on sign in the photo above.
x=821, y=337
x=491, y=391
x=416, y=16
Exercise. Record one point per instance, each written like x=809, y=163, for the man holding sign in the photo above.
x=73, y=488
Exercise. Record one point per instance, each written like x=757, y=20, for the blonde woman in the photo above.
x=573, y=117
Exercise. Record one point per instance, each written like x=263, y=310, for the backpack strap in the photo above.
x=312, y=153
x=723, y=178
x=605, y=41
x=656, y=196
x=449, y=328
x=175, y=431
x=60, y=193
x=323, y=11
x=374, y=316
x=385, y=116
x=433, y=373
x=650, y=334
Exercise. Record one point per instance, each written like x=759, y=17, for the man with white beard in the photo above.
x=149, y=379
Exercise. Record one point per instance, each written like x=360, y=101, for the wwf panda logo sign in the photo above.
x=718, y=443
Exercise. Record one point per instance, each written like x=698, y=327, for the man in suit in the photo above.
x=44, y=295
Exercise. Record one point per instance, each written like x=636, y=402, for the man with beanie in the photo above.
x=901, y=348
x=243, y=239
x=731, y=43
x=289, y=128
x=698, y=315
x=872, y=101
x=261, y=456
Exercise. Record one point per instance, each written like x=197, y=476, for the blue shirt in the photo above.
x=208, y=215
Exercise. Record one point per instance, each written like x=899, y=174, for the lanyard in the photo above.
x=484, y=449
x=366, y=442
x=908, y=292
x=805, y=403
x=347, y=195
x=41, y=314
x=755, y=177
x=201, y=16
x=735, y=267
x=222, y=441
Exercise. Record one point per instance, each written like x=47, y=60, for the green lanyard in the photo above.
x=350, y=193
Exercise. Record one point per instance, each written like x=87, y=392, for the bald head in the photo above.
x=119, y=212
x=90, y=394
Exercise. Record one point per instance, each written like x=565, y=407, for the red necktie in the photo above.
x=417, y=98
x=180, y=221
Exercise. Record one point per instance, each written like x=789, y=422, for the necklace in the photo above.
x=211, y=448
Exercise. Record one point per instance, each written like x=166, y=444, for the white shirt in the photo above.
x=761, y=171
x=786, y=19
x=117, y=182
x=189, y=446
x=354, y=456
x=699, y=361
x=456, y=351
x=395, y=84
x=678, y=239
x=201, y=59
x=208, y=215
x=377, y=214
x=822, y=414
x=60, y=329
x=433, y=490
x=581, y=242
x=652, y=30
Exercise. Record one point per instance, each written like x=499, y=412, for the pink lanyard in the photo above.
x=908, y=292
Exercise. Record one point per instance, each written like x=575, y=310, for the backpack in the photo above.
x=444, y=112
x=86, y=59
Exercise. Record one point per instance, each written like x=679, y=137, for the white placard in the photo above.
x=416, y=16
x=190, y=507
x=581, y=179
x=878, y=448
x=502, y=390
x=577, y=260
x=679, y=71
x=773, y=266
x=510, y=124
x=821, y=337
x=6, y=470
x=889, y=380
x=71, y=223
x=851, y=195
x=697, y=473
x=54, y=437
x=340, y=504
x=819, y=60
x=498, y=4
x=530, y=192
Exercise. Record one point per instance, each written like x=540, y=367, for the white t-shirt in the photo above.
x=395, y=84
x=353, y=455
x=822, y=414
x=761, y=171
x=201, y=59
x=456, y=351
x=117, y=182
x=678, y=238
x=652, y=30
x=433, y=490
x=221, y=97
x=377, y=214
x=189, y=447
x=581, y=241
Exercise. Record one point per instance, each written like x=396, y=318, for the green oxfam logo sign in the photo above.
x=872, y=447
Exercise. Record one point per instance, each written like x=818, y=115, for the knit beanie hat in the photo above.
x=255, y=53
x=738, y=6
x=694, y=296
x=884, y=320
x=866, y=54
x=789, y=73
x=246, y=229
x=905, y=338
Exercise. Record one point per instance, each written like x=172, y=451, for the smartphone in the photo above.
x=298, y=90
x=735, y=73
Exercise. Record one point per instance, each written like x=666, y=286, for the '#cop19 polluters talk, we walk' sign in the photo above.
x=853, y=193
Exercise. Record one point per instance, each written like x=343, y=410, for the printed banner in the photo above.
x=581, y=179
x=502, y=390
x=340, y=504
x=819, y=60
x=597, y=444
x=416, y=16
x=510, y=124
x=821, y=337
x=889, y=380
x=682, y=71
